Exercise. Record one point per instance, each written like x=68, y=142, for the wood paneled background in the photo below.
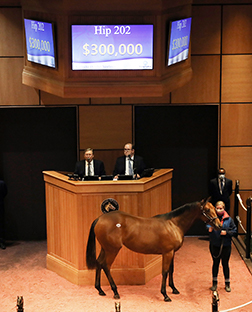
x=222, y=75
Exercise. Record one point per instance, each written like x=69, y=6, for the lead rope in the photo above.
x=221, y=247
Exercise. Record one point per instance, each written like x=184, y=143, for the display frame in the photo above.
x=41, y=48
x=181, y=42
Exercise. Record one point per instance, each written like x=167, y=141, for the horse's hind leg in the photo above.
x=111, y=282
x=98, y=273
x=110, y=257
x=171, y=283
x=104, y=261
x=98, y=281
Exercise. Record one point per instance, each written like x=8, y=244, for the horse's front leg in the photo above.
x=163, y=287
x=167, y=259
x=171, y=283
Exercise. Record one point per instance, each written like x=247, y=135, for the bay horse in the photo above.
x=162, y=234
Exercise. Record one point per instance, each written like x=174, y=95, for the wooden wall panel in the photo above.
x=105, y=100
x=150, y=100
x=236, y=128
x=105, y=127
x=11, y=34
x=206, y=30
x=237, y=162
x=237, y=29
x=236, y=78
x=109, y=158
x=205, y=84
x=13, y=92
x=50, y=99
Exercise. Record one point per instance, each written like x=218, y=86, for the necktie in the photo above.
x=130, y=167
x=89, y=169
x=222, y=185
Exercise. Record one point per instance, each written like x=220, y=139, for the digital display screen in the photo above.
x=40, y=42
x=112, y=47
x=179, y=40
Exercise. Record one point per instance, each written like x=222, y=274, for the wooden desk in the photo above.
x=71, y=207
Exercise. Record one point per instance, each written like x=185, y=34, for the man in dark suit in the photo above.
x=129, y=164
x=89, y=166
x=220, y=189
x=3, y=193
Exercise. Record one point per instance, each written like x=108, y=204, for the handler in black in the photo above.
x=3, y=193
x=220, y=245
x=220, y=188
x=89, y=166
x=129, y=164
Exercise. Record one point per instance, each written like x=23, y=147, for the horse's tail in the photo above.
x=91, y=248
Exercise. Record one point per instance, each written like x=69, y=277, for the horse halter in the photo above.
x=210, y=219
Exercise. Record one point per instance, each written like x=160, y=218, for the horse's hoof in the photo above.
x=116, y=296
x=175, y=291
x=102, y=293
x=167, y=299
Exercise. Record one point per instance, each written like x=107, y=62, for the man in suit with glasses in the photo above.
x=130, y=163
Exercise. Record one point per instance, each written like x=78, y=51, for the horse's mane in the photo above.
x=176, y=212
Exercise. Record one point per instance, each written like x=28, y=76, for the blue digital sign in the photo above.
x=112, y=47
x=179, y=40
x=40, y=42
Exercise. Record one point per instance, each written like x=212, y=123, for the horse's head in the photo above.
x=209, y=214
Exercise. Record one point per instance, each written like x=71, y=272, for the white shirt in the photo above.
x=127, y=165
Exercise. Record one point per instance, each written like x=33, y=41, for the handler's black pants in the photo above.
x=223, y=257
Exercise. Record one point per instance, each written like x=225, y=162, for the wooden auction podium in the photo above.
x=71, y=207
